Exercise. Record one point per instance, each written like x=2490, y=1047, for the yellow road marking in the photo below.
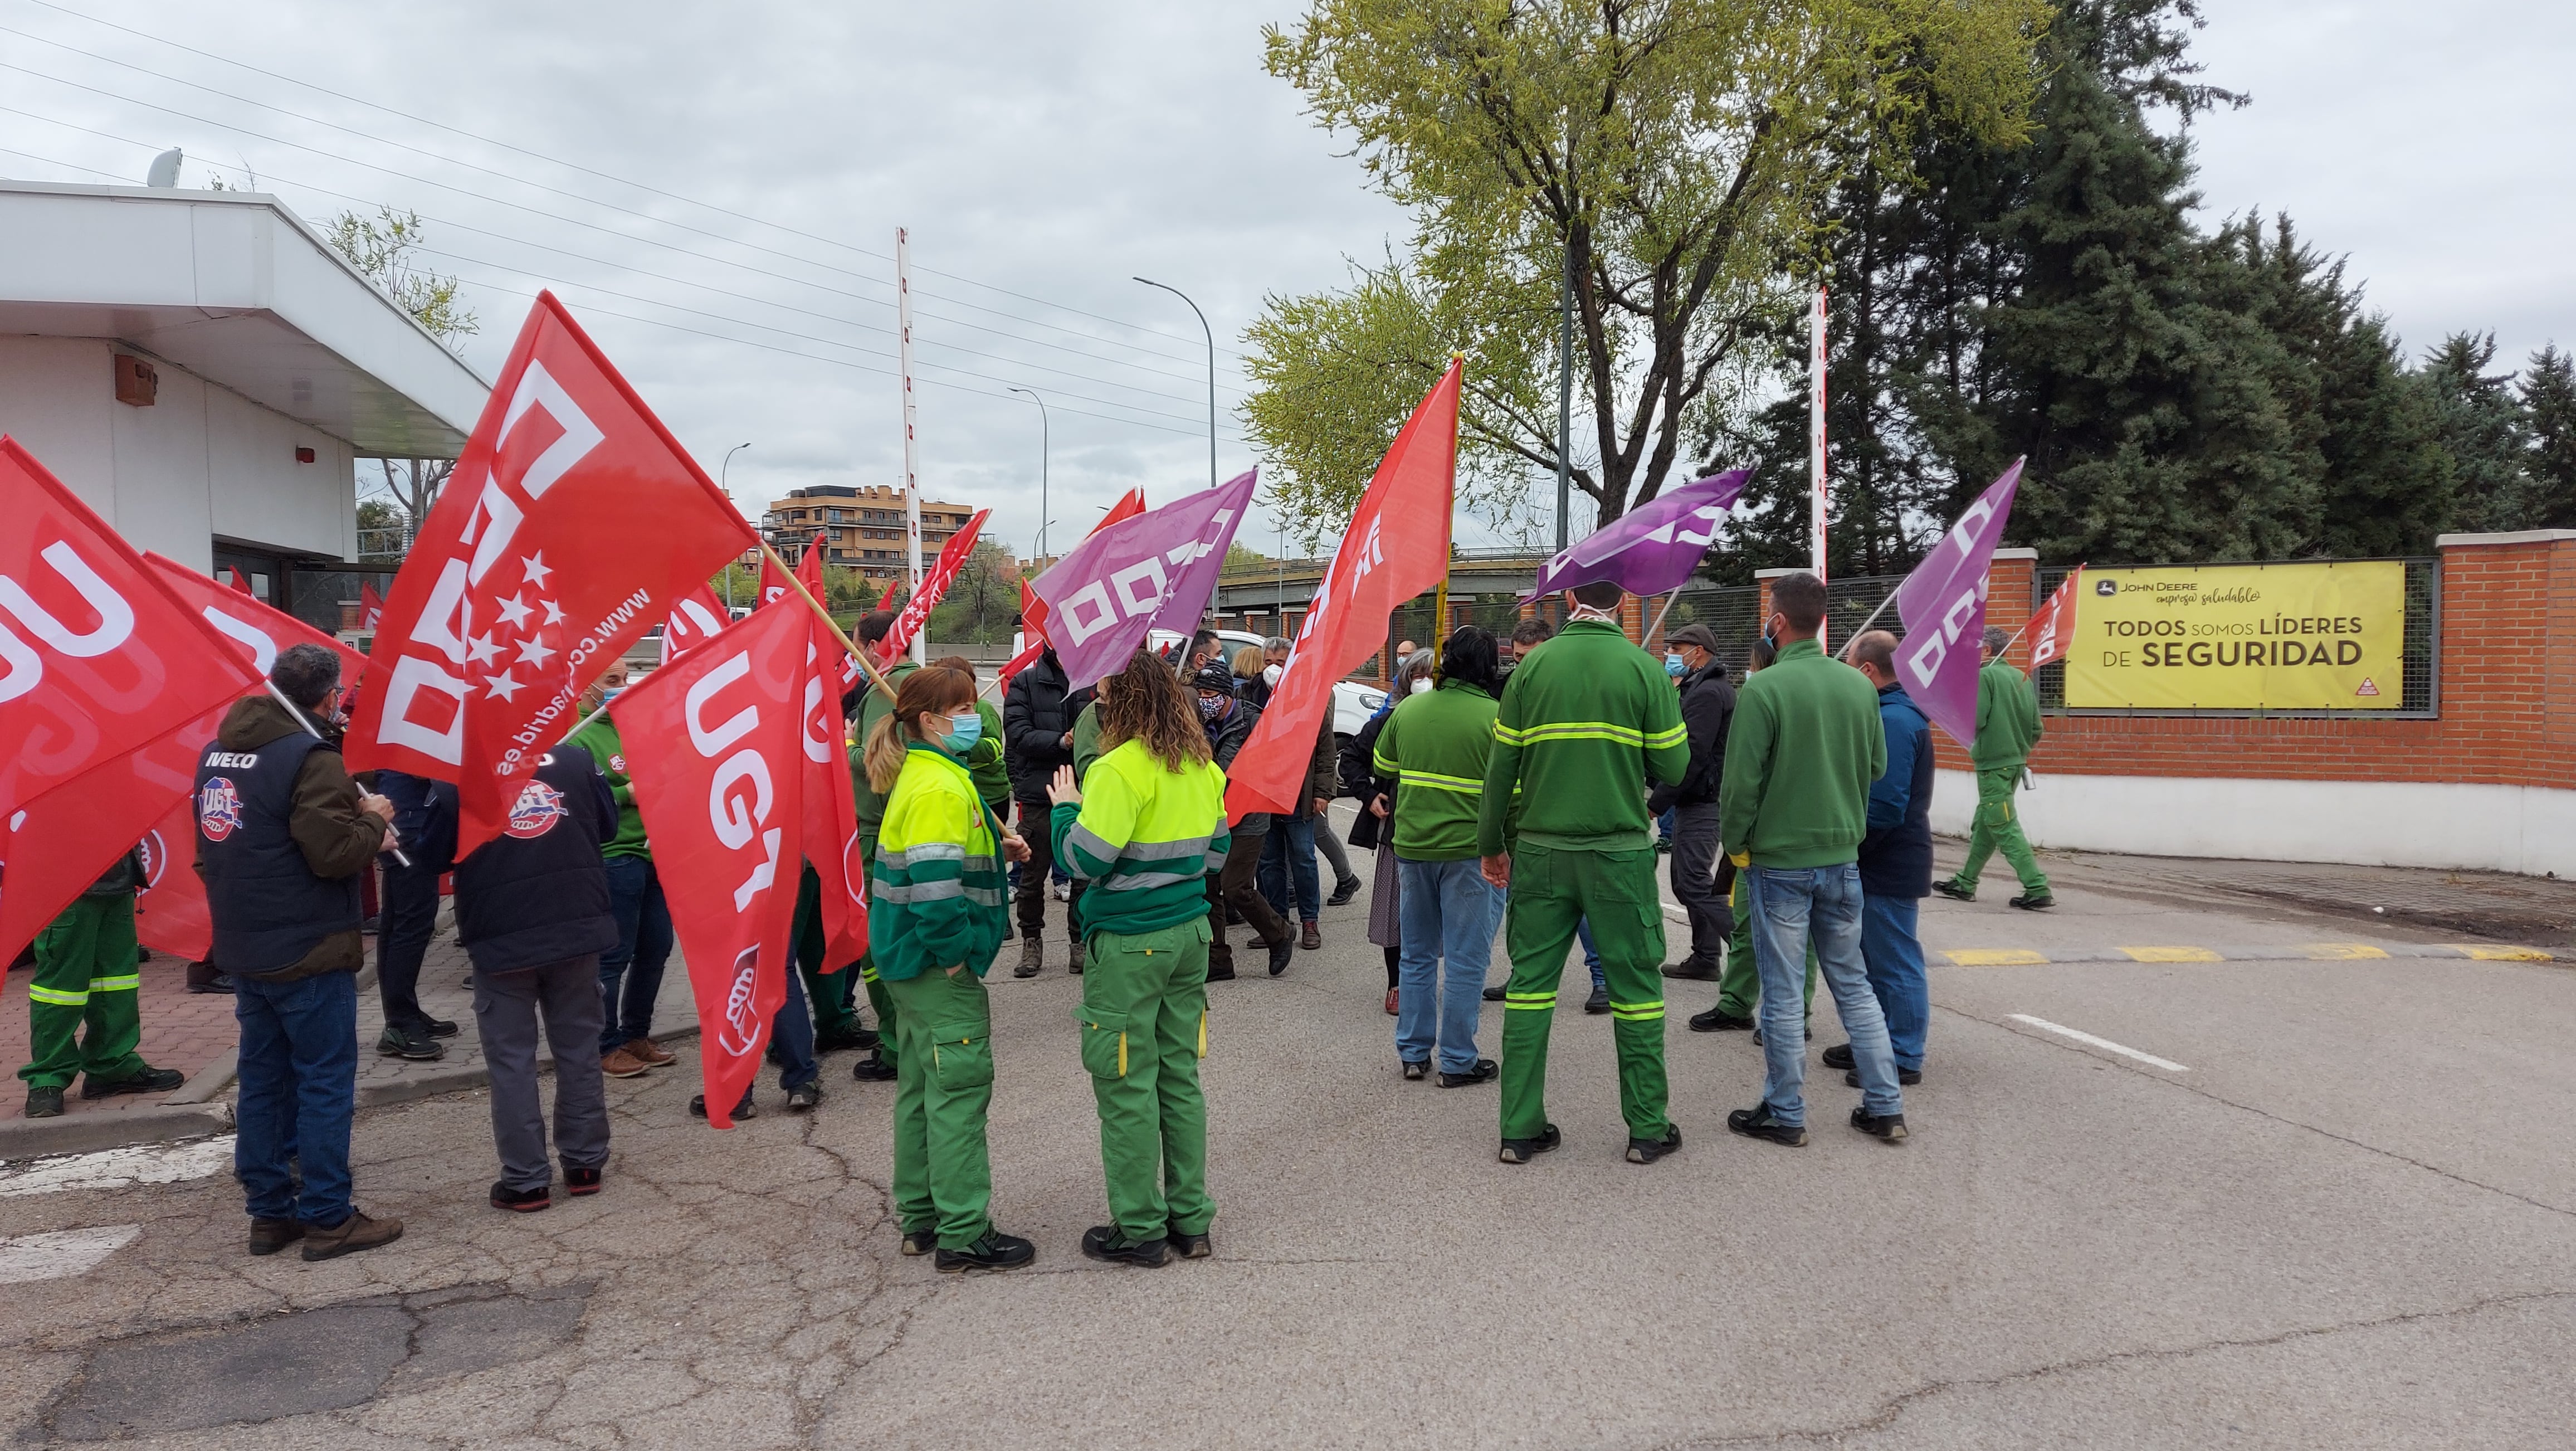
x=2339, y=951
x=1995, y=956
x=2501, y=954
x=2172, y=954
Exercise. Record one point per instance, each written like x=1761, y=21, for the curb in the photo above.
x=84, y=1133
x=2285, y=952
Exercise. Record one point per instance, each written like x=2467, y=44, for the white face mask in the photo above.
x=1421, y=686
x=1270, y=676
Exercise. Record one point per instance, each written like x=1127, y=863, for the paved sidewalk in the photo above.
x=447, y=991
x=181, y=1030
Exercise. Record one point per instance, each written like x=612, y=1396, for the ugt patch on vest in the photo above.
x=536, y=811
x=219, y=808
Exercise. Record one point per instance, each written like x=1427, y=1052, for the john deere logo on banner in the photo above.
x=2240, y=637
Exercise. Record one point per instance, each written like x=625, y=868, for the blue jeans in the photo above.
x=643, y=949
x=299, y=1089
x=1591, y=954
x=1894, y=956
x=1785, y=903
x=1447, y=912
x=791, y=1034
x=1288, y=862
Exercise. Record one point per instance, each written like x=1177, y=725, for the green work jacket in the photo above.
x=1436, y=746
x=1583, y=721
x=1800, y=756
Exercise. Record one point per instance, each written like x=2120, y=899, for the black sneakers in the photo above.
x=1954, y=891
x=521, y=1201
x=1757, y=1123
x=45, y=1103
x=580, y=1180
x=1103, y=1242
x=920, y=1241
x=1189, y=1246
x=1887, y=1126
x=1837, y=1056
x=1343, y=891
x=873, y=1069
x=1598, y=1003
x=1691, y=969
x=150, y=1080
x=1718, y=1020
x=1905, y=1077
x=1282, y=952
x=1521, y=1151
x=1494, y=994
x=743, y=1110
x=408, y=1043
x=1647, y=1151
x=440, y=1027
x=804, y=1096
x=995, y=1251
x=1485, y=1071
x=1415, y=1072
x=2035, y=902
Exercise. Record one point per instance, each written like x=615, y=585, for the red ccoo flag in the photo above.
x=886, y=601
x=1396, y=547
x=934, y=587
x=2053, y=628
x=73, y=832
x=371, y=606
x=571, y=523
x=715, y=748
x=97, y=657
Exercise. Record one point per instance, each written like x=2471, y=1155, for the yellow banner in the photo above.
x=2240, y=637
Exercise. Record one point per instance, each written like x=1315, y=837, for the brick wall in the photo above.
x=2508, y=712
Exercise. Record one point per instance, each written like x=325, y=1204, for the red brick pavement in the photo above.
x=181, y=1030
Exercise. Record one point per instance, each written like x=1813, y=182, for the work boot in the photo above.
x=1905, y=1077
x=1075, y=967
x=1598, y=1003
x=1757, y=1123
x=1718, y=1020
x=1032, y=956
x=1954, y=891
x=654, y=1055
x=1493, y=994
x=398, y=1041
x=1105, y=1243
x=919, y=1242
x=1343, y=891
x=522, y=1201
x=1887, y=1126
x=838, y=1040
x=743, y=1110
x=2034, y=902
x=1189, y=1246
x=1837, y=1056
x=995, y=1251
x=1312, y=937
x=1485, y=1071
x=1282, y=952
x=150, y=1080
x=268, y=1236
x=44, y=1103
x=1647, y=1151
x=873, y=1069
x=439, y=1027
x=1521, y=1151
x=619, y=1063
x=355, y=1233
x=1692, y=969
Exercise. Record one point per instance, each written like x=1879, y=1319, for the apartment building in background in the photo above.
x=865, y=527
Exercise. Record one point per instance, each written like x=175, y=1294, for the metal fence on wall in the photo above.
x=2420, y=666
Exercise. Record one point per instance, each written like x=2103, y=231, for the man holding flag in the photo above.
x=2007, y=728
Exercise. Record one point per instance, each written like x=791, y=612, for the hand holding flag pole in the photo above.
x=315, y=732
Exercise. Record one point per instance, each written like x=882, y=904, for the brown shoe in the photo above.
x=1312, y=938
x=650, y=1053
x=268, y=1236
x=622, y=1063
x=349, y=1236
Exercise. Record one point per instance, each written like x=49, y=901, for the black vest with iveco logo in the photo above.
x=269, y=908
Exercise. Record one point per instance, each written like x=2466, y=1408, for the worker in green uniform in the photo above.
x=1584, y=719
x=82, y=1013
x=875, y=705
x=2007, y=728
x=1143, y=831
x=1739, y=987
x=934, y=923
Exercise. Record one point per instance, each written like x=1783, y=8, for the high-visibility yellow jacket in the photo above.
x=935, y=889
x=1144, y=837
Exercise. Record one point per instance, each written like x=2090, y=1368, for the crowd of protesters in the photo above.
x=1505, y=788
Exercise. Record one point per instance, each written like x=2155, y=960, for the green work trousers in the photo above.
x=889, y=1049
x=1552, y=892
x=1739, y=987
x=829, y=992
x=943, y=1176
x=1144, y=1029
x=86, y=978
x=1998, y=826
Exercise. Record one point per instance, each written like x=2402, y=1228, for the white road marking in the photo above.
x=62, y=1253
x=2105, y=1044
x=119, y=1168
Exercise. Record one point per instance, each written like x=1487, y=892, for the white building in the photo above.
x=204, y=371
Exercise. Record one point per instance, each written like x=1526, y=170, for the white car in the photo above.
x=1353, y=701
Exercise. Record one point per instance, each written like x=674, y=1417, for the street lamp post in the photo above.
x=724, y=475
x=1045, y=433
x=1211, y=345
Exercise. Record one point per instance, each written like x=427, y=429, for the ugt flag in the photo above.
x=715, y=748
x=64, y=839
x=1155, y=571
x=830, y=836
x=1396, y=547
x=97, y=657
x=1943, y=605
x=2053, y=628
x=1649, y=549
x=694, y=620
x=572, y=522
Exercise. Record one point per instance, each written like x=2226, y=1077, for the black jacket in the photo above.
x=1225, y=742
x=1361, y=781
x=1708, y=709
x=538, y=893
x=1037, y=714
x=424, y=817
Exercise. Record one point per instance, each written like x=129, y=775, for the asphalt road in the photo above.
x=2338, y=1209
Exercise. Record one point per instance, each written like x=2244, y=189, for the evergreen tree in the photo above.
x=2483, y=429
x=2549, y=407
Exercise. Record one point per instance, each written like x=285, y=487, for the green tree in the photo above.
x=2549, y=408
x=381, y=248
x=1671, y=156
x=981, y=600
x=381, y=533
x=2486, y=434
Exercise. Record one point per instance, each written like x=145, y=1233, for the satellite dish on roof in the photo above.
x=165, y=169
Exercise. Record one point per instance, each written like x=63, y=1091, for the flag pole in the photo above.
x=1872, y=620
x=315, y=732
x=1659, y=614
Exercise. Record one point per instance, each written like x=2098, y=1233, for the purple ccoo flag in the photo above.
x=1154, y=571
x=1651, y=549
x=1943, y=605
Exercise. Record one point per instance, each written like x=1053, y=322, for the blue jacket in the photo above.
x=1896, y=852
x=424, y=817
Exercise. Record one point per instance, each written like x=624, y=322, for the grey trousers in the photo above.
x=1331, y=846
x=506, y=1007
x=1695, y=849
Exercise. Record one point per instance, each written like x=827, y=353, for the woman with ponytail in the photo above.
x=1144, y=826
x=935, y=919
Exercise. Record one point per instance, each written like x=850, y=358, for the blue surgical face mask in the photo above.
x=1674, y=666
x=963, y=732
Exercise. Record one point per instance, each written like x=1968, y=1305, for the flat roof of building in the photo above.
x=233, y=287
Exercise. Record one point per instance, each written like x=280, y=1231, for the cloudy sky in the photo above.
x=716, y=189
